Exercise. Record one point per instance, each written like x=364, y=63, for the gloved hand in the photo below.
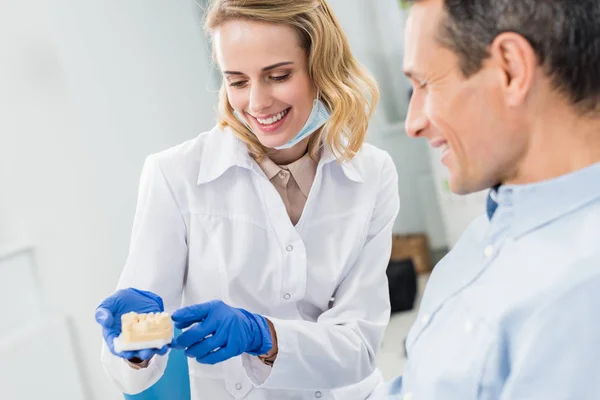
x=221, y=332
x=108, y=315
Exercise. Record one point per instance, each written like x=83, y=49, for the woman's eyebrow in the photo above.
x=268, y=68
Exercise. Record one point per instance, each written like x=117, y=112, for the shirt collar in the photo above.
x=303, y=170
x=269, y=167
x=491, y=203
x=536, y=204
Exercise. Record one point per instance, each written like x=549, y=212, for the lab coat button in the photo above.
x=238, y=386
x=289, y=248
x=318, y=395
x=287, y=296
x=489, y=251
x=425, y=319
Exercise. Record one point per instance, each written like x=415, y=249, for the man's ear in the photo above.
x=515, y=56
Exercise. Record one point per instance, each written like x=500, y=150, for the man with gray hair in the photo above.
x=510, y=91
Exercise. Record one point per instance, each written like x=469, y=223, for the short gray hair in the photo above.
x=565, y=35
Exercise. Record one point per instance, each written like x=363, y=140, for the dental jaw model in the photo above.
x=144, y=331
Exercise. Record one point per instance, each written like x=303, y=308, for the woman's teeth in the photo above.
x=273, y=119
x=445, y=148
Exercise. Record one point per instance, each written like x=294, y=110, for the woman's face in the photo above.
x=266, y=75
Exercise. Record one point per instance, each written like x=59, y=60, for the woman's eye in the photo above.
x=280, y=78
x=237, y=84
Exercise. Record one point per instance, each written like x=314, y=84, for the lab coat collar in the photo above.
x=351, y=168
x=223, y=150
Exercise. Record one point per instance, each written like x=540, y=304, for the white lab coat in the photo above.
x=210, y=225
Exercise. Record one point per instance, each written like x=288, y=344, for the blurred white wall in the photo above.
x=375, y=31
x=87, y=90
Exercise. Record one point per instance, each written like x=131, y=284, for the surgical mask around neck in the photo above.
x=317, y=118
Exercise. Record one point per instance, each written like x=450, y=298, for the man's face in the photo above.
x=467, y=118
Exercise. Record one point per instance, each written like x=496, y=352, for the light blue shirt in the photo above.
x=513, y=311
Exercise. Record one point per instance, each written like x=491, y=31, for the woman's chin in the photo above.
x=273, y=141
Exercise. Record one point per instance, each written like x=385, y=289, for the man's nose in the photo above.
x=416, y=119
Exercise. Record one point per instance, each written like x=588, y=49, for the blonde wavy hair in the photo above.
x=347, y=89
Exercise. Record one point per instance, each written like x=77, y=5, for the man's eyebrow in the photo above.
x=267, y=68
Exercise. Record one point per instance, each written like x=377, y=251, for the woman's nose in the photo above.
x=260, y=99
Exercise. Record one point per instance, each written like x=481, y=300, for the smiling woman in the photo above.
x=267, y=239
x=266, y=79
x=277, y=61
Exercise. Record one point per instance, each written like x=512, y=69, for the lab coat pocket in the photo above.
x=220, y=380
x=197, y=370
x=232, y=258
x=360, y=390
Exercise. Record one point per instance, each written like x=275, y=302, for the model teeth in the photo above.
x=145, y=327
x=273, y=119
x=149, y=318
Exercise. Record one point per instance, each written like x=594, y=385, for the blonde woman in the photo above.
x=268, y=237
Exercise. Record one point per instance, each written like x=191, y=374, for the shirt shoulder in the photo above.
x=583, y=272
x=561, y=254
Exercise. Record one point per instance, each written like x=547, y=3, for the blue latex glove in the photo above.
x=232, y=331
x=108, y=315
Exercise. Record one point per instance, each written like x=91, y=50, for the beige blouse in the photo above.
x=292, y=181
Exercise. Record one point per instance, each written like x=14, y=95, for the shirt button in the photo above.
x=287, y=296
x=425, y=319
x=238, y=386
x=489, y=251
x=318, y=395
x=289, y=247
x=283, y=174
